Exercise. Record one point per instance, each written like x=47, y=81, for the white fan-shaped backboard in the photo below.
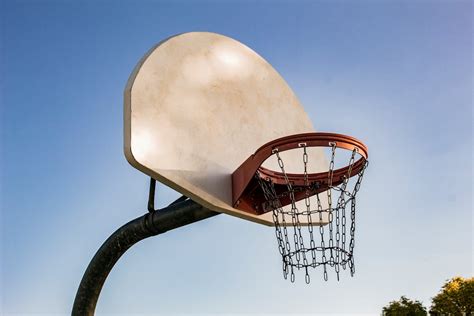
x=197, y=105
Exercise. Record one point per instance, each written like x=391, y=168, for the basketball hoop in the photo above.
x=319, y=199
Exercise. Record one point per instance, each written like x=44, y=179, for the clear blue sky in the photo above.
x=397, y=75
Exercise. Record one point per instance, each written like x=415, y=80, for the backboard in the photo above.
x=199, y=104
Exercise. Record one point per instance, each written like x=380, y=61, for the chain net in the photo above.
x=327, y=239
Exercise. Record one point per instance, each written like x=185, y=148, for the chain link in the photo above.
x=297, y=236
x=305, y=251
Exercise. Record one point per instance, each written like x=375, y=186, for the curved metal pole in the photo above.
x=178, y=214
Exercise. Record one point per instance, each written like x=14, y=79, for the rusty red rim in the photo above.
x=243, y=176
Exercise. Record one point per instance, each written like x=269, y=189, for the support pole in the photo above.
x=178, y=214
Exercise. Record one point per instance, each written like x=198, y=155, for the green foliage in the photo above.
x=404, y=307
x=456, y=298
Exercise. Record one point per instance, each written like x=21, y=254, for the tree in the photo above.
x=404, y=307
x=456, y=298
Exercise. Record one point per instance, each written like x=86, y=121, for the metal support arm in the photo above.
x=178, y=214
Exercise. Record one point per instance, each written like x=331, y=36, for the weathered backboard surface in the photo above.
x=197, y=105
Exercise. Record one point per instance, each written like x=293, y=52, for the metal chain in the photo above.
x=330, y=209
x=297, y=236
x=297, y=254
x=340, y=208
